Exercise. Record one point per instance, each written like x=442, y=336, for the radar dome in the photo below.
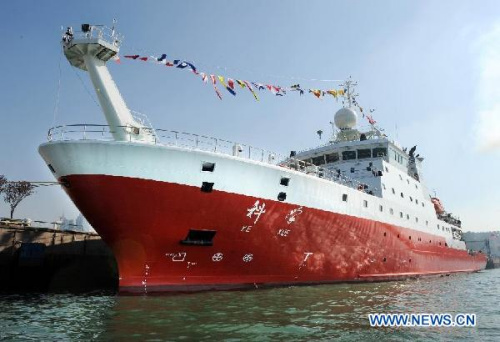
x=346, y=118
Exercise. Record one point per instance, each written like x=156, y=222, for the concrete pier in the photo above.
x=50, y=260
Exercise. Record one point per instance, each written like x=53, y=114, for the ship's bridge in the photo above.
x=364, y=154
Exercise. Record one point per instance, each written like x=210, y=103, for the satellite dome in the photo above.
x=346, y=118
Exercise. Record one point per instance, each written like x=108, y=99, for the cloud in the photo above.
x=488, y=90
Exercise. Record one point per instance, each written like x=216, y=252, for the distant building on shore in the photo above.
x=79, y=224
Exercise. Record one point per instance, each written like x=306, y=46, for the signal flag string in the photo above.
x=254, y=87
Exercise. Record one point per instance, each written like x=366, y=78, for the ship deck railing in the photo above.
x=193, y=141
x=97, y=32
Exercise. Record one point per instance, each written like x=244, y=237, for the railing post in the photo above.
x=84, y=132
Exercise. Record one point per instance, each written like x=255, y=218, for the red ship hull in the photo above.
x=144, y=222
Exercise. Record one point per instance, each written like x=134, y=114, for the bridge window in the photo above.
x=348, y=155
x=393, y=191
x=380, y=207
x=332, y=157
x=364, y=153
x=344, y=197
x=391, y=211
x=401, y=214
x=318, y=160
x=379, y=152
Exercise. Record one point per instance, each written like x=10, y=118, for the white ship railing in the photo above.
x=97, y=32
x=204, y=143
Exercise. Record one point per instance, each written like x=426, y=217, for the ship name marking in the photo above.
x=256, y=210
x=284, y=232
x=247, y=257
x=180, y=256
x=307, y=255
x=291, y=216
x=246, y=229
x=217, y=257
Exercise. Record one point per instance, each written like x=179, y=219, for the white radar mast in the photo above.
x=89, y=50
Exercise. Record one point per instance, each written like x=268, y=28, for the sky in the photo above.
x=431, y=69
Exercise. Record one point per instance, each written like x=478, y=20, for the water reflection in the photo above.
x=301, y=313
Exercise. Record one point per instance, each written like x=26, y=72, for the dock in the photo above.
x=51, y=260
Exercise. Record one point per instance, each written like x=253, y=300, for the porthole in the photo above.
x=380, y=207
x=384, y=260
x=207, y=167
x=385, y=234
x=365, y=203
x=409, y=237
x=207, y=187
x=284, y=181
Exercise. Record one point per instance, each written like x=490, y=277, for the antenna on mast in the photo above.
x=349, y=92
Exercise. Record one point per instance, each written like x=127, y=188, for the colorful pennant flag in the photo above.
x=316, y=92
x=214, y=83
x=251, y=90
x=221, y=80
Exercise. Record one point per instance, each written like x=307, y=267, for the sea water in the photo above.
x=309, y=313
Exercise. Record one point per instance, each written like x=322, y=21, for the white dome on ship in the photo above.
x=346, y=118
